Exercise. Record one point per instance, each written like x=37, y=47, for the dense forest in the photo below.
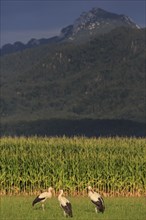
x=102, y=79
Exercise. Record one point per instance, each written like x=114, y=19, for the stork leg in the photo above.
x=43, y=207
x=65, y=214
x=96, y=210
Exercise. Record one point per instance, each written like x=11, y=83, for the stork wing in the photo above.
x=36, y=200
x=68, y=209
x=99, y=204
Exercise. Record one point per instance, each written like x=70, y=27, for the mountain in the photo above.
x=89, y=24
x=62, y=86
x=101, y=80
x=95, y=22
x=19, y=46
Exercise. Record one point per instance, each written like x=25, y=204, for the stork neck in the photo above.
x=61, y=193
x=49, y=190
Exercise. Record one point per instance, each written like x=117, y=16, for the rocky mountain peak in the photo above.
x=94, y=22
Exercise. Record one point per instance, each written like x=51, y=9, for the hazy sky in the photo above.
x=22, y=20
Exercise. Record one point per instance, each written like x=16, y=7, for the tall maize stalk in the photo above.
x=115, y=166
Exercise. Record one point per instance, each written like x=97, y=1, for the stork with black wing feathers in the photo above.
x=43, y=197
x=96, y=199
x=65, y=205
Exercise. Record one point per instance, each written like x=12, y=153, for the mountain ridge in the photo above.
x=96, y=21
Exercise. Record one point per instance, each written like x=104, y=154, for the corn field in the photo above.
x=113, y=166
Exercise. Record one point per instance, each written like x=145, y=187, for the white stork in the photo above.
x=96, y=199
x=42, y=197
x=65, y=205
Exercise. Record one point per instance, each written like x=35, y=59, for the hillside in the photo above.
x=101, y=79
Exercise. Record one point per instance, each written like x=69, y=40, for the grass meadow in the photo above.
x=117, y=208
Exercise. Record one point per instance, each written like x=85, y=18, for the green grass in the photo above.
x=118, y=208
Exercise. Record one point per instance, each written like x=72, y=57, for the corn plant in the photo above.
x=114, y=166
